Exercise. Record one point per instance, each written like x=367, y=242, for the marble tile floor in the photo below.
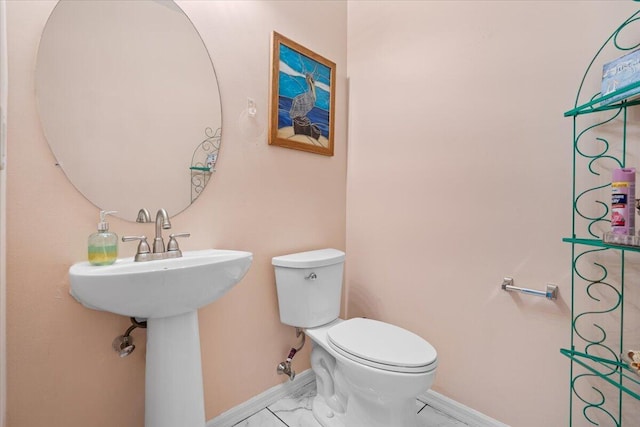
x=295, y=411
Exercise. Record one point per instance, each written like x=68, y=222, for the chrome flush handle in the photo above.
x=311, y=276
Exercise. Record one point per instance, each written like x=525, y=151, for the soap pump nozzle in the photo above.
x=103, y=225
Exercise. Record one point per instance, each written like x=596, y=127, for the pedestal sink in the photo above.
x=168, y=294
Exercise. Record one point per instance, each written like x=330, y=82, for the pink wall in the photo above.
x=267, y=200
x=459, y=174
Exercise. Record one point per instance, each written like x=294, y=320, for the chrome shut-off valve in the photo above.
x=285, y=367
x=123, y=344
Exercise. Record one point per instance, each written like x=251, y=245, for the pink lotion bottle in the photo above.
x=623, y=201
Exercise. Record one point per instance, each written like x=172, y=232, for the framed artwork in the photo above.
x=302, y=100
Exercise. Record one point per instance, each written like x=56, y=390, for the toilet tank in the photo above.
x=309, y=286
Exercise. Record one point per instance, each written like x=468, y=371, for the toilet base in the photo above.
x=326, y=416
x=338, y=404
x=330, y=404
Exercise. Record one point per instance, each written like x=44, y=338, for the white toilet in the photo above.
x=368, y=373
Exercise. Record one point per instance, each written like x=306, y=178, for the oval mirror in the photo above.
x=129, y=103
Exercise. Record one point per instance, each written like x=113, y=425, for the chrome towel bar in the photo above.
x=550, y=293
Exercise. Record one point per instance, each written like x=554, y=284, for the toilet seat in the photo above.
x=383, y=346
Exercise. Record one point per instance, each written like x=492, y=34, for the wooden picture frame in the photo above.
x=302, y=98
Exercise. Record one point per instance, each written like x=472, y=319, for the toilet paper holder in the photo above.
x=550, y=293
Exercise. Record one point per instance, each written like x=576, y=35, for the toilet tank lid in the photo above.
x=310, y=259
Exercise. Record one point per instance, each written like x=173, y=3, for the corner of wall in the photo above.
x=3, y=282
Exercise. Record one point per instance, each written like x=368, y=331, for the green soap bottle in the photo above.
x=103, y=245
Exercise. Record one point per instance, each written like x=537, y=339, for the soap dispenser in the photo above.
x=103, y=245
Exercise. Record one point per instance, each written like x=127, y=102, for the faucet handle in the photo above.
x=173, y=250
x=144, y=251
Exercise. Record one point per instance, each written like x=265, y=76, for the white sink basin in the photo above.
x=159, y=288
x=168, y=294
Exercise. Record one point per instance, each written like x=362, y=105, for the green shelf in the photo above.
x=200, y=168
x=590, y=107
x=624, y=378
x=600, y=244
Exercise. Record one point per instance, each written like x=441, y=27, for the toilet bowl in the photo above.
x=368, y=373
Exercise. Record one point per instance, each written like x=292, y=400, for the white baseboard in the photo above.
x=301, y=383
x=458, y=411
x=307, y=379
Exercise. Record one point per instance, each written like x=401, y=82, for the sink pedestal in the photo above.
x=174, y=391
x=168, y=293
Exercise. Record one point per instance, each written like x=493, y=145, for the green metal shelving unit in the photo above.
x=600, y=377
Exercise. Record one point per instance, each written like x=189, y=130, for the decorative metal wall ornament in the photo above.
x=203, y=161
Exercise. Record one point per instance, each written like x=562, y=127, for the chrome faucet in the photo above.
x=159, y=252
x=162, y=221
